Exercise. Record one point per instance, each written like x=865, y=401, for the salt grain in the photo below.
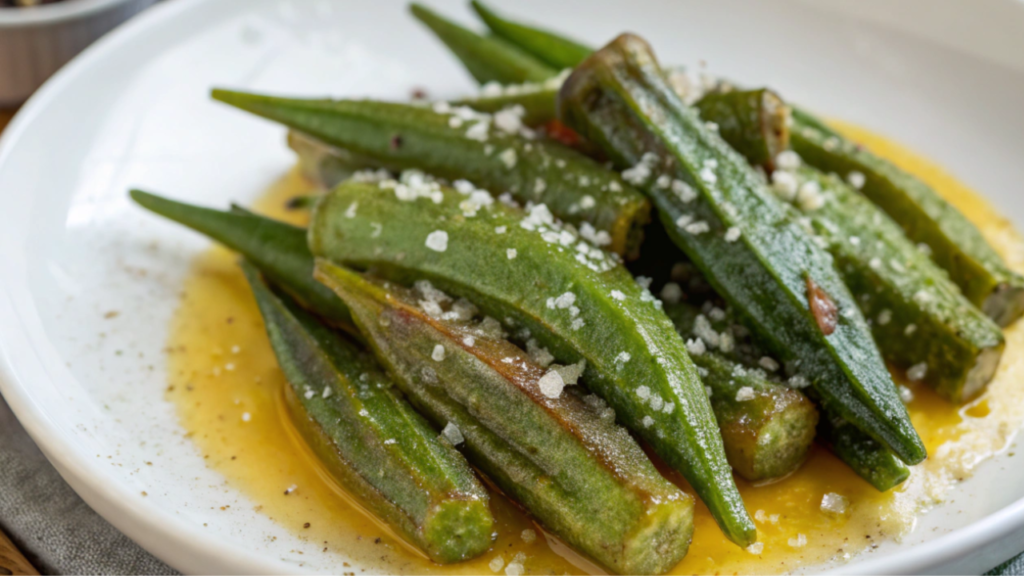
x=917, y=371
x=856, y=179
x=551, y=384
x=834, y=504
x=745, y=393
x=438, y=354
x=453, y=434
x=671, y=293
x=437, y=240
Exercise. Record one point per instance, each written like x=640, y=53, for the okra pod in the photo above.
x=955, y=243
x=536, y=99
x=767, y=428
x=865, y=456
x=487, y=58
x=540, y=277
x=278, y=249
x=921, y=321
x=462, y=144
x=377, y=447
x=754, y=122
x=556, y=51
x=722, y=214
x=557, y=453
x=729, y=346
x=895, y=284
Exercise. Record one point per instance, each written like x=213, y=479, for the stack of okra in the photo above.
x=461, y=299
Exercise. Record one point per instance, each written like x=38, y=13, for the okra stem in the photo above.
x=754, y=122
x=554, y=451
x=720, y=212
x=462, y=144
x=379, y=449
x=956, y=244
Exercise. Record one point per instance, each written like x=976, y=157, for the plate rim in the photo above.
x=175, y=540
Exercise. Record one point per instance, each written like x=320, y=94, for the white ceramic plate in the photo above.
x=944, y=76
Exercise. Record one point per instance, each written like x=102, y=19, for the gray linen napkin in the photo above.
x=52, y=526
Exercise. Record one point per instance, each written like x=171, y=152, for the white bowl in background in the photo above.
x=943, y=76
x=35, y=42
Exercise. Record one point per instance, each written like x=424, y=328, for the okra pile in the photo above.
x=473, y=296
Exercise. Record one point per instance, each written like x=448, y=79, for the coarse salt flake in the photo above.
x=551, y=384
x=618, y=295
x=509, y=158
x=917, y=371
x=856, y=179
x=745, y=393
x=453, y=434
x=695, y=346
x=437, y=240
x=884, y=317
x=438, y=354
x=732, y=234
x=768, y=363
x=799, y=542
x=787, y=160
x=647, y=421
x=671, y=293
x=832, y=503
x=684, y=191
x=697, y=228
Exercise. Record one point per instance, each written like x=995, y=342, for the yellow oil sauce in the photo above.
x=228, y=390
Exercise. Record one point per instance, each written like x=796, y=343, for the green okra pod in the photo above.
x=536, y=99
x=486, y=57
x=728, y=345
x=722, y=214
x=379, y=449
x=864, y=455
x=958, y=348
x=956, y=244
x=767, y=428
x=571, y=514
x=574, y=299
x=754, y=122
x=553, y=450
x=921, y=321
x=462, y=144
x=556, y=51
x=278, y=249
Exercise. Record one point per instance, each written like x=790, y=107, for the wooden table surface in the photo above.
x=11, y=560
